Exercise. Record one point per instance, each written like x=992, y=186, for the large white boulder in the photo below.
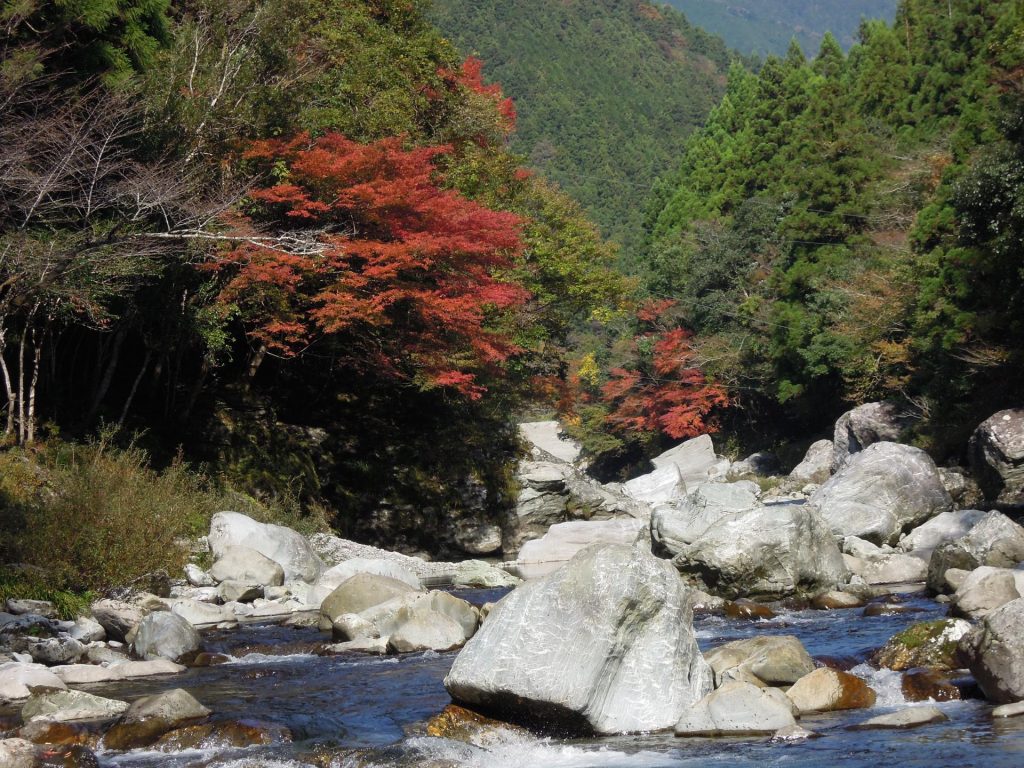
x=333, y=577
x=676, y=525
x=866, y=425
x=882, y=491
x=657, y=487
x=165, y=635
x=245, y=564
x=695, y=459
x=996, y=453
x=737, y=708
x=816, y=466
x=769, y=551
x=16, y=678
x=943, y=528
x=995, y=653
x=290, y=549
x=605, y=644
x=563, y=540
x=547, y=435
x=70, y=706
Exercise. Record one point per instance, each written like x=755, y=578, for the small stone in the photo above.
x=737, y=708
x=463, y=724
x=747, y=609
x=835, y=600
x=239, y=591
x=1009, y=710
x=68, y=706
x=150, y=717
x=42, y=608
x=911, y=717
x=885, y=609
x=928, y=685
x=829, y=690
x=794, y=733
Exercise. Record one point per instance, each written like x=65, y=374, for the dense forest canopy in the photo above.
x=606, y=91
x=285, y=234
x=763, y=27
x=845, y=228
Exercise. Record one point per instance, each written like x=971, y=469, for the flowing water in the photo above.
x=360, y=712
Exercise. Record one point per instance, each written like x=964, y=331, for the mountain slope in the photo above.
x=764, y=27
x=606, y=90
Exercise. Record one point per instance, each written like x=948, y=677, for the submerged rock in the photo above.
x=912, y=717
x=882, y=491
x=604, y=645
x=737, y=708
x=928, y=685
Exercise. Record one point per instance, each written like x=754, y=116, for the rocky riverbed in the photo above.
x=856, y=610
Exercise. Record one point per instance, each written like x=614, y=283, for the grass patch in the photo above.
x=90, y=517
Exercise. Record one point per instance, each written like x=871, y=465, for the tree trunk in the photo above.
x=8, y=386
x=135, y=387
x=37, y=356
x=108, y=374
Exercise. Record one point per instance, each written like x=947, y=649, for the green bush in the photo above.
x=96, y=516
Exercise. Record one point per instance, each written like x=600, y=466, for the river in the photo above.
x=358, y=712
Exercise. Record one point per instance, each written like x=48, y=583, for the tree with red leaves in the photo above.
x=665, y=391
x=398, y=276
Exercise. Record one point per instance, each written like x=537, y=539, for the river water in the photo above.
x=359, y=712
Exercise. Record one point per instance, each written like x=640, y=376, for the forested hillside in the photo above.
x=763, y=27
x=846, y=229
x=606, y=90
x=286, y=235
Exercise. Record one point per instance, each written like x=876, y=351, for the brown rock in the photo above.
x=463, y=724
x=886, y=609
x=205, y=659
x=835, y=600
x=829, y=690
x=231, y=733
x=927, y=684
x=45, y=732
x=748, y=609
x=930, y=644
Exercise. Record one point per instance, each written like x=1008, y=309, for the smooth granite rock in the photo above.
x=882, y=491
x=603, y=645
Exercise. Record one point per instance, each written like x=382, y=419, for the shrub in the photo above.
x=99, y=516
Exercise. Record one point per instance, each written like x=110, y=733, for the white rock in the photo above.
x=737, y=708
x=245, y=564
x=816, y=466
x=604, y=644
x=197, y=577
x=564, y=540
x=881, y=491
x=284, y=546
x=948, y=526
x=17, y=677
x=904, y=718
x=657, y=487
x=81, y=674
x=547, y=436
x=70, y=706
x=696, y=460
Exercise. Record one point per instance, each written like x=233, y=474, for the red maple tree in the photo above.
x=403, y=273
x=667, y=392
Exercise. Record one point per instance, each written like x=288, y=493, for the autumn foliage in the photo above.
x=400, y=277
x=664, y=391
